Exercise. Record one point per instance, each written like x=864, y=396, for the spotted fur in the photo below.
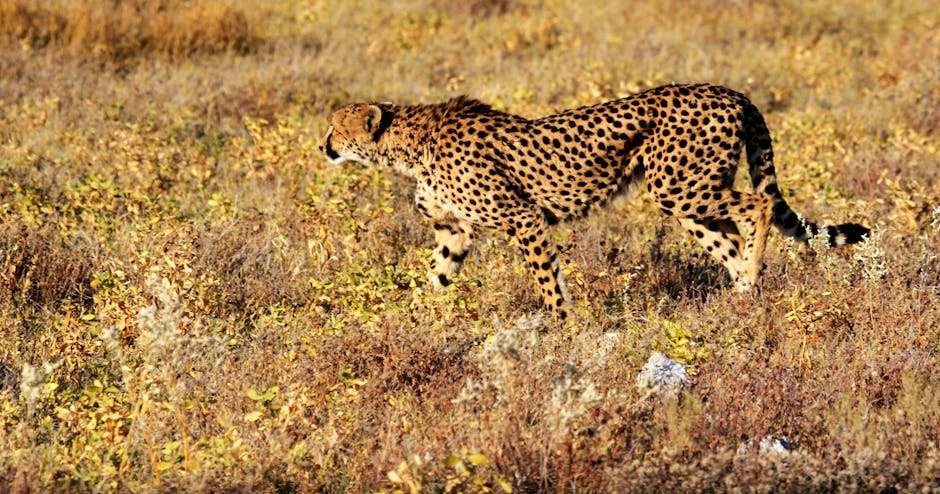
x=479, y=167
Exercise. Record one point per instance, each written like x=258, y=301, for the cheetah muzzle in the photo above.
x=479, y=167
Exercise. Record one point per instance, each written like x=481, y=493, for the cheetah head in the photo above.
x=354, y=134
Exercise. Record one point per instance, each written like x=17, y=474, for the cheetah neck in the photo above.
x=405, y=144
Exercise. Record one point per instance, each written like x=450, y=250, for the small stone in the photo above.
x=774, y=444
x=662, y=375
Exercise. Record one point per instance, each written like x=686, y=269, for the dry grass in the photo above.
x=118, y=30
x=191, y=299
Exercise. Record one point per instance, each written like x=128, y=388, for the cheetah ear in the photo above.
x=372, y=117
x=376, y=120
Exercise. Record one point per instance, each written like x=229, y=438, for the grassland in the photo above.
x=192, y=299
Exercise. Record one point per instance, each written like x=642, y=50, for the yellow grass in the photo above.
x=192, y=299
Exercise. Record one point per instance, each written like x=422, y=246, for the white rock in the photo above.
x=662, y=375
x=770, y=444
x=774, y=444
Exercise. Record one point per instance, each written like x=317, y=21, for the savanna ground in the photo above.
x=191, y=299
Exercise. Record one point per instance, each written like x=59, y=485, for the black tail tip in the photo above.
x=853, y=233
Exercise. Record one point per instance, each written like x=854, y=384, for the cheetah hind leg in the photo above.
x=453, y=244
x=739, y=244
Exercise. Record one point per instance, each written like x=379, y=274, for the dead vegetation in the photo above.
x=192, y=299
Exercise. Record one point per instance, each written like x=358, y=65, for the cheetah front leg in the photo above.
x=454, y=239
x=530, y=231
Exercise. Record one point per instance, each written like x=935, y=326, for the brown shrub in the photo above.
x=38, y=267
x=126, y=29
x=252, y=262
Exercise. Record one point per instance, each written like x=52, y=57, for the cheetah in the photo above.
x=477, y=167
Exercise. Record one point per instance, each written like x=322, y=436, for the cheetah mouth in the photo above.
x=334, y=158
x=330, y=153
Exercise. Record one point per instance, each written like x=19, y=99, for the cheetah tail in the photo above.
x=760, y=157
x=793, y=225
